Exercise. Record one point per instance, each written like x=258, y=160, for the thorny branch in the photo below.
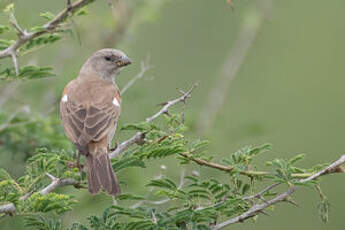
x=51, y=26
x=258, y=208
x=140, y=136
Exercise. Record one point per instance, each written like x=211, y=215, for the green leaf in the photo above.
x=163, y=183
x=41, y=41
x=47, y=15
x=296, y=158
x=260, y=149
x=129, y=197
x=9, y=8
x=58, y=203
x=4, y=29
x=143, y=126
x=5, y=43
x=4, y=175
x=144, y=224
x=128, y=162
x=43, y=223
x=26, y=72
x=245, y=188
x=82, y=11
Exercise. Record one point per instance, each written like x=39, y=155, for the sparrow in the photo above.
x=90, y=108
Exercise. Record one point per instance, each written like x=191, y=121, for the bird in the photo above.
x=90, y=108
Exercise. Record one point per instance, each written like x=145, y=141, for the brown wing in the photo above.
x=88, y=113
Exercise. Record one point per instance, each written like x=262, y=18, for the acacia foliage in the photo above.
x=195, y=202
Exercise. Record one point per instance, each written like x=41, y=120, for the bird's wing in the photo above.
x=89, y=113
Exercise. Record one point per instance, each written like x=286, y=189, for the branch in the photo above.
x=8, y=208
x=168, y=104
x=335, y=167
x=249, y=173
x=24, y=37
x=139, y=136
x=261, y=193
x=56, y=183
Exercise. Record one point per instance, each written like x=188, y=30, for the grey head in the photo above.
x=105, y=63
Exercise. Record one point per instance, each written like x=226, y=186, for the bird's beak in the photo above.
x=124, y=61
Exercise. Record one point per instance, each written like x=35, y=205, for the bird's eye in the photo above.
x=107, y=58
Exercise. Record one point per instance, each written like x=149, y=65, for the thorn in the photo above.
x=154, y=218
x=15, y=62
x=291, y=202
x=265, y=213
x=181, y=91
x=15, y=24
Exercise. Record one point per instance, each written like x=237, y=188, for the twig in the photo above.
x=249, y=173
x=56, y=183
x=15, y=62
x=224, y=168
x=259, y=195
x=15, y=24
x=139, y=136
x=256, y=209
x=126, y=144
x=51, y=26
x=145, y=66
x=8, y=208
x=167, y=105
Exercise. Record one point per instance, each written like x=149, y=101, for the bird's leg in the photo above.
x=79, y=166
x=76, y=164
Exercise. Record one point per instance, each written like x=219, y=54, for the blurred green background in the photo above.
x=289, y=90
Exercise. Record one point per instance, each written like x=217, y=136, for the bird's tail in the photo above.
x=101, y=174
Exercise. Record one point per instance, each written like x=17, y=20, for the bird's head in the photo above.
x=106, y=63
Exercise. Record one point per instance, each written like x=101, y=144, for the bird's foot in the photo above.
x=113, y=149
x=73, y=165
